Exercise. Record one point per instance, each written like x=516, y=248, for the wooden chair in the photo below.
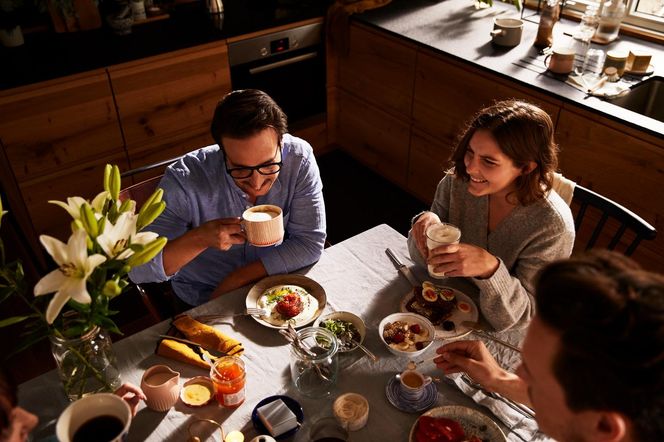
x=154, y=296
x=605, y=209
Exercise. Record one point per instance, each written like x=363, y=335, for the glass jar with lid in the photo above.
x=314, y=364
x=610, y=19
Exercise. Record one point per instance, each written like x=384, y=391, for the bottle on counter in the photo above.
x=583, y=34
x=610, y=18
x=548, y=18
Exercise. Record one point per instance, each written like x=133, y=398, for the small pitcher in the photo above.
x=161, y=386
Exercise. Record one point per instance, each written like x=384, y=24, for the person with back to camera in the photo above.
x=593, y=357
x=499, y=195
x=254, y=162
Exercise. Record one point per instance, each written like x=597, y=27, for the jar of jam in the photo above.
x=228, y=376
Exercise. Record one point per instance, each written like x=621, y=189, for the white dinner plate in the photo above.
x=457, y=316
x=299, y=282
x=474, y=423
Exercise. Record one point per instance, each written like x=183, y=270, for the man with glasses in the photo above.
x=254, y=162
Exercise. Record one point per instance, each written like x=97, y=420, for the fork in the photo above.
x=250, y=311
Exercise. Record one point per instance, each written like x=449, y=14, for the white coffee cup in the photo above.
x=263, y=225
x=507, y=31
x=105, y=415
x=413, y=384
x=441, y=234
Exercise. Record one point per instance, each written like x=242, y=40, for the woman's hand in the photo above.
x=132, y=394
x=419, y=231
x=463, y=260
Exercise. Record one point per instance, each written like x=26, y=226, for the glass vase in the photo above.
x=86, y=364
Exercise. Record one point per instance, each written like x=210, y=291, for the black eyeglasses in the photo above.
x=246, y=172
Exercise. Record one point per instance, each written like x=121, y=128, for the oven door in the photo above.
x=294, y=77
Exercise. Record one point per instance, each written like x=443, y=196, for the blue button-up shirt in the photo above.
x=197, y=189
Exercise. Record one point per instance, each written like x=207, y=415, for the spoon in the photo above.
x=368, y=352
x=295, y=341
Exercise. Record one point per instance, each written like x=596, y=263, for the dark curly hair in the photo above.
x=243, y=113
x=610, y=316
x=524, y=133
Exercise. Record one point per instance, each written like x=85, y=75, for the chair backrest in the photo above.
x=607, y=209
x=140, y=192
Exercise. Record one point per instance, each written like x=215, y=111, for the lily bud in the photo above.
x=127, y=206
x=89, y=221
x=114, y=183
x=107, y=177
x=76, y=224
x=146, y=218
x=111, y=289
x=149, y=251
x=156, y=197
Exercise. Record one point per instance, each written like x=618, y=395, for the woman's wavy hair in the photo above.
x=244, y=113
x=610, y=316
x=524, y=133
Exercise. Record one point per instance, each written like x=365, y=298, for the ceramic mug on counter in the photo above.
x=507, y=31
x=560, y=61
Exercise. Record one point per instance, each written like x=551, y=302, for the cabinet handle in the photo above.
x=281, y=63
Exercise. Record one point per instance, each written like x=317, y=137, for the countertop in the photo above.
x=458, y=30
x=48, y=55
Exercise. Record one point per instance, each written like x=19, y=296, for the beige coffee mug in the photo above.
x=263, y=225
x=441, y=234
x=507, y=31
x=101, y=416
x=560, y=61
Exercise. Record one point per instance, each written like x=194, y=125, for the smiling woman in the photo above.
x=498, y=192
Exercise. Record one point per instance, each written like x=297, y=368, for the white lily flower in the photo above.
x=68, y=280
x=72, y=206
x=117, y=237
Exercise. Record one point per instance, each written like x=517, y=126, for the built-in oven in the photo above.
x=289, y=65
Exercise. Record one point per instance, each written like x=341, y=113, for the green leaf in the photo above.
x=13, y=320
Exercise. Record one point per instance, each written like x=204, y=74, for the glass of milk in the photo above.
x=441, y=234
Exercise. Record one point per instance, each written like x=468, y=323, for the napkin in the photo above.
x=524, y=427
x=207, y=336
x=184, y=353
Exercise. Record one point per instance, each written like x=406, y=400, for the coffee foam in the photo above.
x=260, y=216
x=443, y=233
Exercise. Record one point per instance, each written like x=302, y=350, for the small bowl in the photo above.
x=197, y=380
x=410, y=318
x=345, y=316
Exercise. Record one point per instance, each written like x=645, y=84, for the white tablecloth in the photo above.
x=357, y=276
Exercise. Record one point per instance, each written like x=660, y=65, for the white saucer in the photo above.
x=393, y=392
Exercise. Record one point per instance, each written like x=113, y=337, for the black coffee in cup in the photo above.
x=102, y=428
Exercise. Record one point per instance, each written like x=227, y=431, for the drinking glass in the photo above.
x=314, y=363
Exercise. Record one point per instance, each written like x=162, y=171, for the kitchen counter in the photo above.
x=455, y=28
x=48, y=55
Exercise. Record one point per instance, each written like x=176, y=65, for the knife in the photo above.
x=475, y=327
x=213, y=351
x=403, y=269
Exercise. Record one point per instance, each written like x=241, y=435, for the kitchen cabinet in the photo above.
x=370, y=118
x=54, y=136
x=165, y=103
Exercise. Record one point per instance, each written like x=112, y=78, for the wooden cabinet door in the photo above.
x=428, y=161
x=85, y=180
x=447, y=94
x=619, y=164
x=379, y=69
x=374, y=137
x=166, y=103
x=53, y=125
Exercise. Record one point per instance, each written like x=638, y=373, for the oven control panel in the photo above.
x=264, y=46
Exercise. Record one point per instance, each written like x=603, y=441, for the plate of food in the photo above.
x=288, y=299
x=445, y=307
x=455, y=423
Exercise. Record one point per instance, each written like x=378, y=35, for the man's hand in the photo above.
x=463, y=260
x=240, y=277
x=221, y=233
x=419, y=231
x=132, y=394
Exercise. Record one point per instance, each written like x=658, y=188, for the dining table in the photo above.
x=357, y=276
